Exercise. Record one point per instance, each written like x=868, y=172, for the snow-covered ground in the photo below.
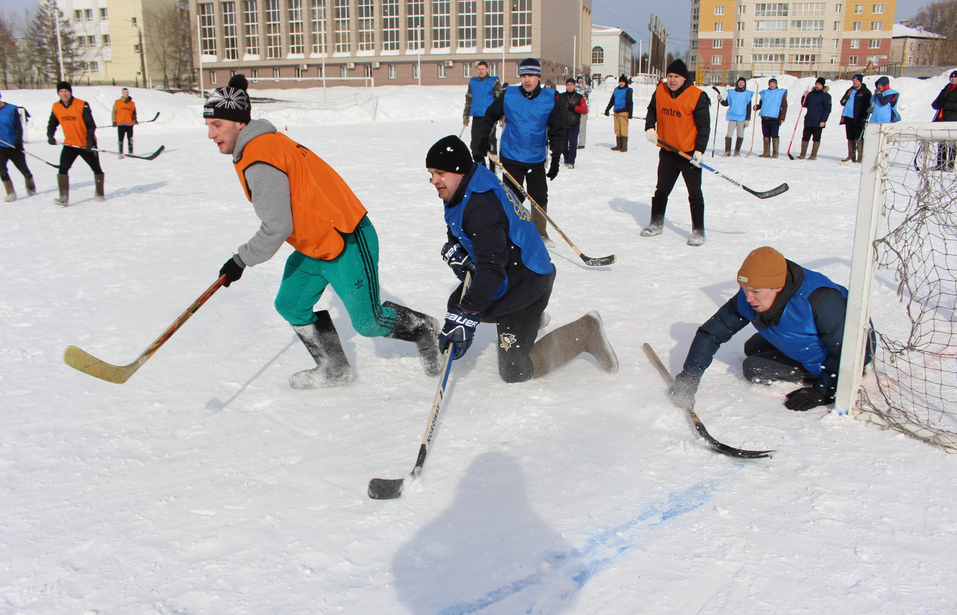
x=206, y=485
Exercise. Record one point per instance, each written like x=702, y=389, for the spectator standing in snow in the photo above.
x=575, y=108
x=75, y=118
x=856, y=102
x=682, y=114
x=534, y=124
x=884, y=103
x=774, y=108
x=124, y=117
x=621, y=102
x=799, y=316
x=582, y=87
x=11, y=148
x=946, y=105
x=301, y=200
x=482, y=90
x=738, y=102
x=818, y=105
x=490, y=234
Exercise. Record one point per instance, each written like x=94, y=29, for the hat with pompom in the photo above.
x=230, y=102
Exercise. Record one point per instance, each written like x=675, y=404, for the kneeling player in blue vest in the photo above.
x=799, y=315
x=491, y=234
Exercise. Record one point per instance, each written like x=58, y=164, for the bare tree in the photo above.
x=16, y=66
x=169, y=41
x=941, y=18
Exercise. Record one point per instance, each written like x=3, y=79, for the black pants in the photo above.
x=571, y=143
x=765, y=363
x=811, y=132
x=770, y=127
x=69, y=154
x=853, y=132
x=670, y=166
x=536, y=184
x=477, y=138
x=17, y=158
x=127, y=131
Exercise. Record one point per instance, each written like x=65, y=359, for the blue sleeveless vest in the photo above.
x=884, y=114
x=621, y=99
x=521, y=229
x=525, y=138
x=482, y=94
x=771, y=102
x=795, y=334
x=8, y=117
x=738, y=105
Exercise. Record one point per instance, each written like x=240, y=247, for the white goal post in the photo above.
x=905, y=244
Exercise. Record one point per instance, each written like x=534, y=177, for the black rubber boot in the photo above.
x=63, y=183
x=412, y=326
x=322, y=341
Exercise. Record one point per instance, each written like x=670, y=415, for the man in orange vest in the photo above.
x=124, y=116
x=302, y=201
x=79, y=139
x=682, y=114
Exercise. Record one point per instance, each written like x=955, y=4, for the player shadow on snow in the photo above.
x=217, y=405
x=488, y=550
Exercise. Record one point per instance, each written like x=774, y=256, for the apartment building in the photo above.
x=302, y=43
x=735, y=37
x=915, y=46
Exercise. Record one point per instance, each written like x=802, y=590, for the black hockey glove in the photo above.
x=682, y=392
x=51, y=140
x=90, y=145
x=483, y=146
x=458, y=259
x=804, y=399
x=232, y=270
x=553, y=168
x=459, y=329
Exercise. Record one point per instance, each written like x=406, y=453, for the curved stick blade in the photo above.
x=601, y=261
x=81, y=360
x=386, y=488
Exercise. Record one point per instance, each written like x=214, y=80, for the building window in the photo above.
x=273, y=36
x=299, y=73
x=716, y=60
x=94, y=67
x=694, y=44
x=344, y=71
x=719, y=10
x=597, y=55
x=858, y=9
x=874, y=43
x=81, y=42
x=340, y=13
x=779, y=9
x=415, y=71
x=760, y=43
x=319, y=27
x=254, y=74
x=521, y=23
x=494, y=24
x=230, y=40
x=804, y=58
x=719, y=26
x=390, y=25
x=740, y=26
x=852, y=60
x=808, y=25
x=103, y=13
x=416, y=21
x=392, y=71
x=367, y=71
x=877, y=9
x=275, y=74
x=717, y=44
x=739, y=59
x=806, y=42
x=694, y=13
x=366, y=26
x=91, y=41
x=837, y=26
x=207, y=29
x=838, y=8
x=212, y=77
x=441, y=67
x=742, y=9
x=106, y=40
x=808, y=9
x=441, y=24
x=877, y=25
x=771, y=25
x=251, y=17
x=467, y=22
x=88, y=13
x=78, y=15
x=767, y=58
x=297, y=45
x=855, y=43
x=856, y=26
x=466, y=69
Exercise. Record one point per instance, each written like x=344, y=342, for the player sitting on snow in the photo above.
x=799, y=315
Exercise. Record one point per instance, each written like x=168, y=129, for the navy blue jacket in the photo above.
x=817, y=106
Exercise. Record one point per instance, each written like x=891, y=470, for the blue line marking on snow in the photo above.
x=598, y=552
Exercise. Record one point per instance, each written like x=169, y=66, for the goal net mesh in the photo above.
x=913, y=387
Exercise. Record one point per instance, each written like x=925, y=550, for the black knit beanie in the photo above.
x=64, y=85
x=230, y=102
x=678, y=67
x=449, y=154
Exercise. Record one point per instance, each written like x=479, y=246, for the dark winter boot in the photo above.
x=737, y=146
x=99, y=195
x=568, y=341
x=803, y=150
x=860, y=150
x=617, y=147
x=412, y=326
x=322, y=341
x=767, y=148
x=624, y=144
x=130, y=146
x=814, y=148
x=31, y=186
x=120, y=150
x=727, y=147
x=658, y=208
x=63, y=183
x=851, y=151
x=774, y=146
x=697, y=238
x=11, y=193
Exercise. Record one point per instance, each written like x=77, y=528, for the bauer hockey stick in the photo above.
x=591, y=262
x=761, y=195
x=391, y=488
x=713, y=444
x=118, y=374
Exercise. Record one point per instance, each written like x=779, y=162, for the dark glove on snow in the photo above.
x=804, y=399
x=458, y=259
x=553, y=168
x=682, y=392
x=459, y=329
x=232, y=270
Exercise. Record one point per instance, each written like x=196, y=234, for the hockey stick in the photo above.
x=800, y=113
x=106, y=151
x=136, y=123
x=761, y=195
x=591, y=262
x=391, y=488
x=714, y=139
x=117, y=374
x=713, y=444
x=55, y=166
x=754, y=124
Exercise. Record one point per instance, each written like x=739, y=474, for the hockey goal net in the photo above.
x=904, y=283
